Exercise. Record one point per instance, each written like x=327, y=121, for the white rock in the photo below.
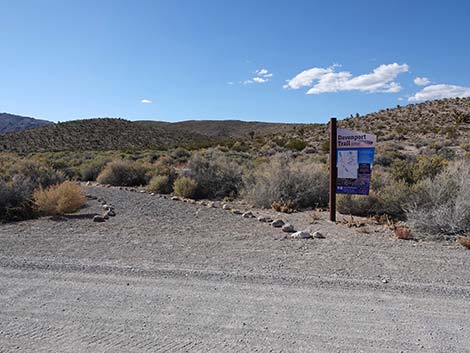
x=225, y=207
x=301, y=235
x=248, y=215
x=175, y=198
x=98, y=219
x=318, y=235
x=288, y=228
x=278, y=223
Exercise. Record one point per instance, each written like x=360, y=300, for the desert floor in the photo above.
x=170, y=276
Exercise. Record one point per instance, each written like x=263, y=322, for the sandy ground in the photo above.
x=168, y=276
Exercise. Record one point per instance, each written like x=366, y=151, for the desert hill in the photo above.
x=443, y=122
x=14, y=123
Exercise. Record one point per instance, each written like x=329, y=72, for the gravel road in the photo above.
x=167, y=276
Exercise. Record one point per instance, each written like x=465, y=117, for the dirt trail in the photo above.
x=166, y=276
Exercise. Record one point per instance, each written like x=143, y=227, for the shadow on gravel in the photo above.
x=73, y=216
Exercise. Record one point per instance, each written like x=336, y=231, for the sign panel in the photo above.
x=354, y=161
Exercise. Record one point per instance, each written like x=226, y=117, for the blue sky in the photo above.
x=290, y=61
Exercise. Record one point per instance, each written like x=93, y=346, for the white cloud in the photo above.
x=323, y=80
x=439, y=92
x=262, y=76
x=421, y=81
x=146, y=101
x=263, y=73
x=230, y=83
x=259, y=79
x=306, y=78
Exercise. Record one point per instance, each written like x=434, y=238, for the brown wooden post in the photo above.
x=333, y=169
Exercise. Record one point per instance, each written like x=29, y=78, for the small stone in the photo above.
x=225, y=207
x=265, y=219
x=210, y=204
x=384, y=281
x=237, y=212
x=106, y=207
x=98, y=219
x=278, y=223
x=248, y=215
x=301, y=235
x=175, y=198
x=142, y=191
x=105, y=216
x=110, y=213
x=88, y=183
x=152, y=194
x=318, y=235
x=288, y=228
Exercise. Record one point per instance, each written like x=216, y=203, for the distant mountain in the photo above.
x=14, y=123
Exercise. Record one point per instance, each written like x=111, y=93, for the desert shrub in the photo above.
x=296, y=144
x=387, y=196
x=123, y=173
x=412, y=172
x=185, y=186
x=37, y=173
x=15, y=199
x=89, y=171
x=164, y=166
x=181, y=155
x=441, y=206
x=18, y=179
x=161, y=184
x=283, y=181
x=325, y=146
x=216, y=175
x=59, y=199
x=386, y=158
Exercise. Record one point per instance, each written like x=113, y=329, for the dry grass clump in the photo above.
x=59, y=199
x=185, y=187
x=285, y=207
x=123, y=173
x=464, y=241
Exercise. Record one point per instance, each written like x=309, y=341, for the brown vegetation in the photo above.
x=59, y=199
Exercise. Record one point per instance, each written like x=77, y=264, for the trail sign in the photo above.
x=354, y=161
x=351, y=161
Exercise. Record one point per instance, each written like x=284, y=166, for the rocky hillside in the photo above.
x=14, y=123
x=441, y=123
